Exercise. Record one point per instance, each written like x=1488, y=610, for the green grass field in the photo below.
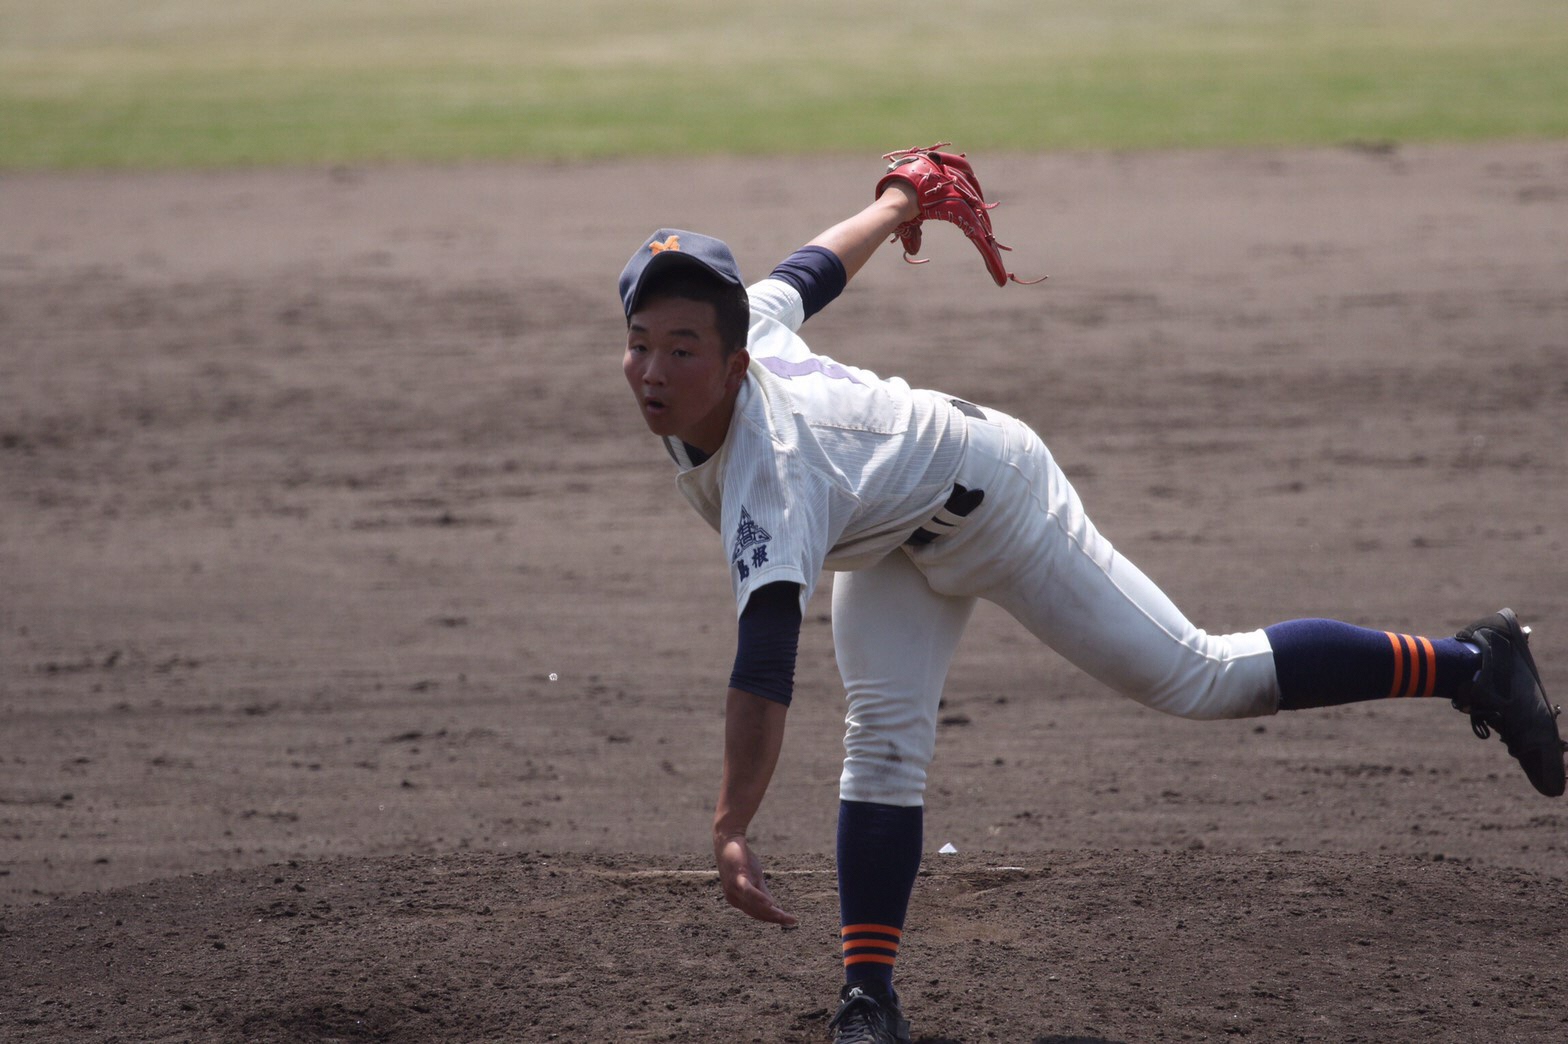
x=200, y=83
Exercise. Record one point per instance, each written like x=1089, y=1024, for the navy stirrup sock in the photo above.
x=1323, y=663
x=878, y=857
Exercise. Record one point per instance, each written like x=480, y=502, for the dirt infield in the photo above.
x=360, y=667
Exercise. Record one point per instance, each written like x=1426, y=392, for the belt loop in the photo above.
x=947, y=521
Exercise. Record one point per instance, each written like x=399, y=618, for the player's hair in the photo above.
x=731, y=306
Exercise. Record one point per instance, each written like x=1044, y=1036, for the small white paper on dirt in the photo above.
x=947, y=849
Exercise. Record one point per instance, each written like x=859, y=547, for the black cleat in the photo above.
x=1506, y=697
x=868, y=1016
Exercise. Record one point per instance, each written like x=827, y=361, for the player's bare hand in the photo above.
x=740, y=874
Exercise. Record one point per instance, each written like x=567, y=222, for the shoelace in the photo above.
x=860, y=1020
x=1483, y=725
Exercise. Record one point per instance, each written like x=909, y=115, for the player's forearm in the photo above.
x=855, y=239
x=753, y=737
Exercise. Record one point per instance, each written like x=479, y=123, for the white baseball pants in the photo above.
x=1030, y=548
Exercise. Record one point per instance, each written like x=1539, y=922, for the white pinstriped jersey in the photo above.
x=825, y=465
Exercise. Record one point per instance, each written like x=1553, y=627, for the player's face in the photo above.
x=675, y=364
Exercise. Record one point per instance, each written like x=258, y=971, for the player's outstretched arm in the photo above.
x=855, y=239
x=753, y=737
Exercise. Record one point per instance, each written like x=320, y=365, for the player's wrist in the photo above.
x=724, y=834
x=900, y=196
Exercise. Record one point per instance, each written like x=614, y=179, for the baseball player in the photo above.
x=921, y=503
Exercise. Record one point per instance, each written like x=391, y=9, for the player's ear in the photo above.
x=735, y=371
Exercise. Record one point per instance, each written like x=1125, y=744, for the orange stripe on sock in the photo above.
x=879, y=944
x=1414, y=685
x=1430, y=656
x=880, y=929
x=1399, y=666
x=869, y=958
x=1413, y=659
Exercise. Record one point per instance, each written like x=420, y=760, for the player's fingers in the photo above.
x=760, y=905
x=745, y=888
x=754, y=900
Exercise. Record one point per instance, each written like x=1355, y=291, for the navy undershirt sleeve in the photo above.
x=817, y=273
x=768, y=640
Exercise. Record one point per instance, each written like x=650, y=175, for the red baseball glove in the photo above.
x=946, y=189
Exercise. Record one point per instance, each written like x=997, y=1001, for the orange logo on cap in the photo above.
x=672, y=243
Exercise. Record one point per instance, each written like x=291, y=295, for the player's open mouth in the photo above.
x=653, y=405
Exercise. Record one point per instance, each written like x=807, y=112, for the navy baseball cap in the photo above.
x=672, y=246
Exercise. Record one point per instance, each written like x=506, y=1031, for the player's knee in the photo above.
x=881, y=790
x=884, y=771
